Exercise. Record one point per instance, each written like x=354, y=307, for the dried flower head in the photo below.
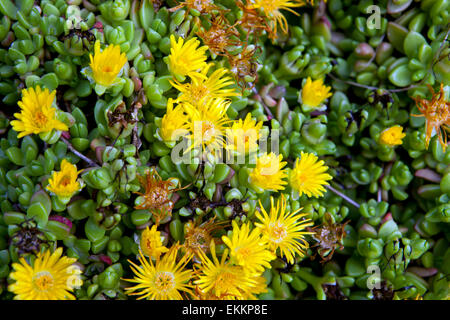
x=157, y=195
x=437, y=115
x=37, y=114
x=244, y=66
x=198, y=236
x=329, y=237
x=219, y=36
x=202, y=6
x=28, y=238
x=252, y=22
x=333, y=291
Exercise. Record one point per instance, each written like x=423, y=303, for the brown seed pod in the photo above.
x=329, y=237
x=28, y=239
x=219, y=36
x=199, y=236
x=157, y=195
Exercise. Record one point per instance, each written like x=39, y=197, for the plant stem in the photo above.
x=343, y=196
x=78, y=154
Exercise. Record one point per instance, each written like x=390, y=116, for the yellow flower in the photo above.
x=37, y=115
x=185, y=59
x=107, y=64
x=314, y=93
x=151, y=244
x=268, y=173
x=392, y=136
x=220, y=279
x=51, y=277
x=243, y=136
x=308, y=176
x=174, y=123
x=207, y=123
x=248, y=249
x=64, y=183
x=271, y=9
x=162, y=280
x=283, y=230
x=259, y=287
x=206, y=88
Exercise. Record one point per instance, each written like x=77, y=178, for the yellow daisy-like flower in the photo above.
x=107, y=64
x=51, y=277
x=186, y=59
x=392, y=136
x=207, y=123
x=248, y=249
x=271, y=9
x=37, y=114
x=163, y=280
x=220, y=279
x=268, y=173
x=243, y=136
x=308, y=176
x=206, y=88
x=314, y=92
x=64, y=183
x=151, y=244
x=174, y=123
x=284, y=230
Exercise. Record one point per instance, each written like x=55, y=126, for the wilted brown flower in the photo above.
x=219, y=36
x=329, y=237
x=157, y=195
x=437, y=115
x=199, y=236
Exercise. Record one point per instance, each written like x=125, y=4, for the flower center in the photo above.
x=165, y=281
x=199, y=239
x=107, y=69
x=65, y=181
x=301, y=178
x=43, y=281
x=199, y=92
x=225, y=280
x=208, y=131
x=277, y=232
x=244, y=252
x=40, y=118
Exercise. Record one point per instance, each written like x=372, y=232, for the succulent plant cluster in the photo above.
x=351, y=99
